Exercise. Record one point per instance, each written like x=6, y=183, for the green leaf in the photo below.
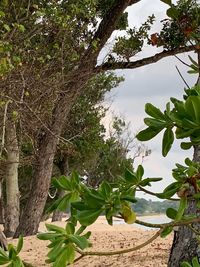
x=166, y=231
x=70, y=228
x=55, y=251
x=154, y=123
x=181, y=209
x=186, y=145
x=70, y=252
x=19, y=244
x=171, y=213
x=105, y=189
x=130, y=177
x=55, y=228
x=87, y=217
x=80, y=241
x=192, y=105
x=12, y=252
x=62, y=259
x=64, y=203
x=4, y=260
x=172, y=12
x=168, y=139
x=48, y=236
x=148, y=181
x=148, y=133
x=185, y=264
x=154, y=112
x=139, y=172
x=62, y=183
x=195, y=262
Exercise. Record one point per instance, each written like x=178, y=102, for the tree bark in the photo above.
x=12, y=189
x=1, y=204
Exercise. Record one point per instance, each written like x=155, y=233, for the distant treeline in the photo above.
x=143, y=206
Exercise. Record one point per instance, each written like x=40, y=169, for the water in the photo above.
x=150, y=219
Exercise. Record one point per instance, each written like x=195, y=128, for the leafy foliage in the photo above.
x=63, y=243
x=11, y=257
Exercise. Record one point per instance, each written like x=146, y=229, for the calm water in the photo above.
x=149, y=219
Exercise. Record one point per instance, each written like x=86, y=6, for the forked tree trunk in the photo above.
x=185, y=245
x=12, y=189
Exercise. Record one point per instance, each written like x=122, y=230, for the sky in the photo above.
x=155, y=84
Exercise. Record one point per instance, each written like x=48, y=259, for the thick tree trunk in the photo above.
x=185, y=245
x=12, y=189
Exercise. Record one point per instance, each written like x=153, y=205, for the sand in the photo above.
x=107, y=238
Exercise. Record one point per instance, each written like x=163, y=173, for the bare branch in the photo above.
x=142, y=62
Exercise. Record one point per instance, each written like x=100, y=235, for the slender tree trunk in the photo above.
x=1, y=205
x=12, y=189
x=31, y=217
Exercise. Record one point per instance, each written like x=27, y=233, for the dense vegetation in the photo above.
x=52, y=84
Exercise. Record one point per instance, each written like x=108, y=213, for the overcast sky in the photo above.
x=154, y=83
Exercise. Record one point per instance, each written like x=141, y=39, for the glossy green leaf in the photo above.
x=62, y=259
x=62, y=183
x=154, y=112
x=148, y=133
x=186, y=145
x=195, y=262
x=166, y=231
x=139, y=172
x=148, y=181
x=181, y=209
x=55, y=228
x=130, y=177
x=70, y=228
x=105, y=189
x=19, y=244
x=168, y=139
x=87, y=217
x=171, y=213
x=80, y=241
x=48, y=236
x=154, y=123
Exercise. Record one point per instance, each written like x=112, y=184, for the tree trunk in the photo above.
x=12, y=189
x=1, y=204
x=185, y=245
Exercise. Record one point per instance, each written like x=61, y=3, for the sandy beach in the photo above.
x=107, y=238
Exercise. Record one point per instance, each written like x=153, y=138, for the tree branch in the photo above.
x=142, y=62
x=111, y=253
